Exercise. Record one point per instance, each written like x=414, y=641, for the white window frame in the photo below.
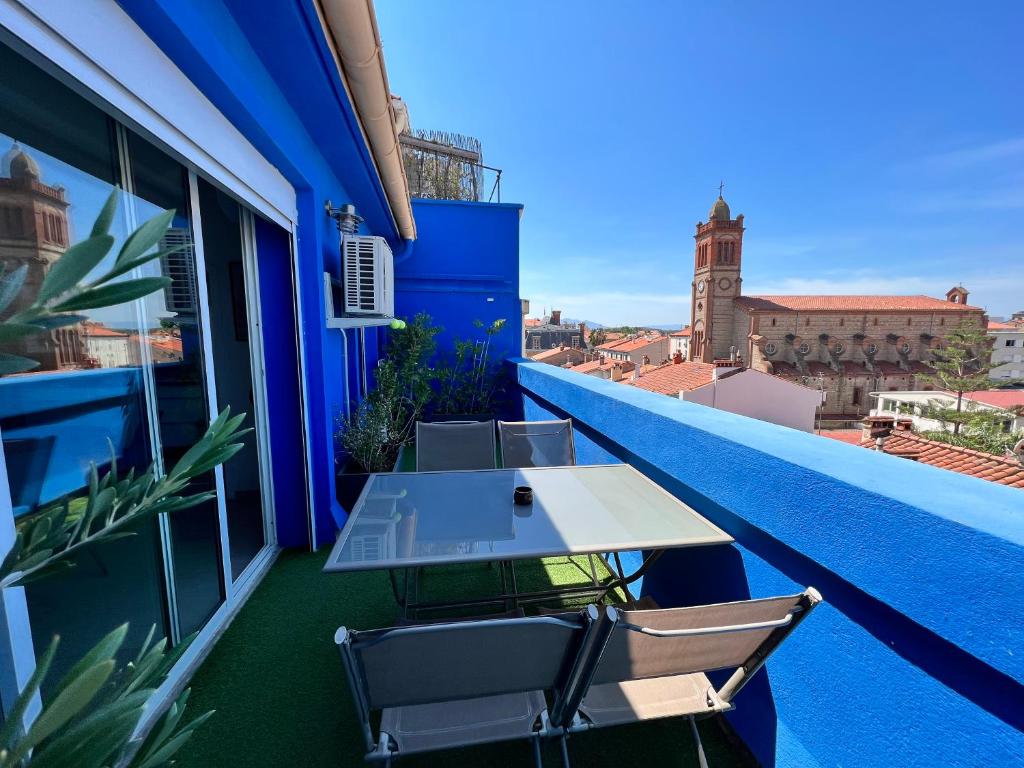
x=97, y=45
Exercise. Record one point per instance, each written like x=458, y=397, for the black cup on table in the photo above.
x=523, y=495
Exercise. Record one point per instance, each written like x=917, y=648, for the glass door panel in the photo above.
x=85, y=399
x=233, y=370
x=172, y=350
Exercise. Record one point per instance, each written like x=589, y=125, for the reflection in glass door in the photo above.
x=173, y=357
x=137, y=382
x=228, y=266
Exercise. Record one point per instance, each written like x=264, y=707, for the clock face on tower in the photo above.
x=700, y=287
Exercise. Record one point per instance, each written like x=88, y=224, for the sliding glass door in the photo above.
x=137, y=383
x=234, y=328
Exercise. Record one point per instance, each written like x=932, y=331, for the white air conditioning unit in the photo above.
x=368, y=276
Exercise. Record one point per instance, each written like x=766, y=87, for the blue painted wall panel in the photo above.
x=914, y=659
x=464, y=267
x=267, y=69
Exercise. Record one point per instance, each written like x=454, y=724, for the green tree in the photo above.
x=982, y=429
x=961, y=365
x=598, y=336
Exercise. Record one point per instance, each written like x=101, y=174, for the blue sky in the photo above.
x=874, y=147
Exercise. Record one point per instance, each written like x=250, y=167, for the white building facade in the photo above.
x=1007, y=351
x=759, y=395
x=919, y=406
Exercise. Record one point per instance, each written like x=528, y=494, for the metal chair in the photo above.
x=453, y=684
x=539, y=444
x=454, y=445
x=536, y=443
x=651, y=664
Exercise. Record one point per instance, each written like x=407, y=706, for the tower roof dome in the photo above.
x=720, y=210
x=17, y=163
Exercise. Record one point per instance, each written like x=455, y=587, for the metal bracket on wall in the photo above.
x=343, y=321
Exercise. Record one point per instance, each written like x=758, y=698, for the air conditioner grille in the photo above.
x=368, y=282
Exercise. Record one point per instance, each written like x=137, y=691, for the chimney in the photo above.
x=677, y=358
x=879, y=427
x=723, y=366
x=556, y=317
x=616, y=372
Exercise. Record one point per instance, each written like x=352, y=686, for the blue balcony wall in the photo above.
x=74, y=417
x=268, y=70
x=464, y=268
x=915, y=658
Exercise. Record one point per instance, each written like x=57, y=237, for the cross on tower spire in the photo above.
x=721, y=186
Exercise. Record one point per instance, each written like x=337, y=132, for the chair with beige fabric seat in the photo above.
x=653, y=664
x=453, y=684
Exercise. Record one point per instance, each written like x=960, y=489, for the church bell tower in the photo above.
x=716, y=283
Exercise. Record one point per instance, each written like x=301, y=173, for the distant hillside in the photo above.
x=590, y=323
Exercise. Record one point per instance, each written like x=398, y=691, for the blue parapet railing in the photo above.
x=54, y=424
x=917, y=656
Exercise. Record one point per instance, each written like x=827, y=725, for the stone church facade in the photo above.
x=33, y=235
x=846, y=345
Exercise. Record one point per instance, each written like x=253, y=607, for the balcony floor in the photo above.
x=276, y=682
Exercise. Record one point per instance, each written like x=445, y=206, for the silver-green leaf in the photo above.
x=73, y=265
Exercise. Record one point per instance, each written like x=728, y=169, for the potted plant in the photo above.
x=372, y=437
x=468, y=386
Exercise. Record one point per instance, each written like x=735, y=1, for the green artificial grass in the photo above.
x=276, y=682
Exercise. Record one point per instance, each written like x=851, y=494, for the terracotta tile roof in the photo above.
x=672, y=378
x=532, y=322
x=850, y=304
x=635, y=344
x=553, y=352
x=609, y=345
x=607, y=365
x=1000, y=398
x=682, y=332
x=170, y=344
x=850, y=436
x=101, y=331
x=966, y=461
x=994, y=326
x=614, y=335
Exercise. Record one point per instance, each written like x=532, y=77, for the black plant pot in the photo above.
x=349, y=483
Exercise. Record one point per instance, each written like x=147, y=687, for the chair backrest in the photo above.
x=454, y=445
x=536, y=443
x=461, y=660
x=635, y=645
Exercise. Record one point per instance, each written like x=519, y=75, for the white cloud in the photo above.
x=1006, y=199
x=979, y=154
